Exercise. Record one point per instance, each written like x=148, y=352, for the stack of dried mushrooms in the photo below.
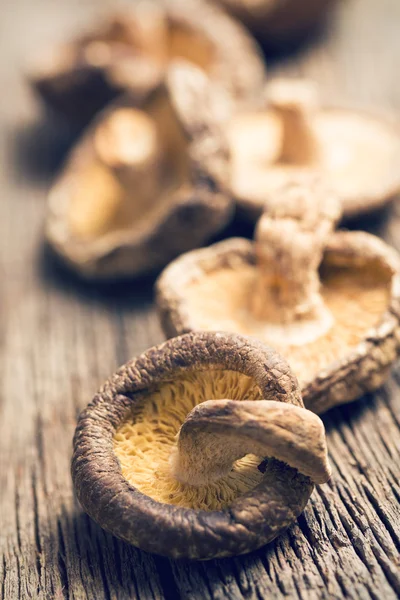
x=202, y=447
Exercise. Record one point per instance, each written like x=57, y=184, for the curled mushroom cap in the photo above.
x=355, y=152
x=200, y=448
x=145, y=183
x=131, y=50
x=278, y=23
x=328, y=301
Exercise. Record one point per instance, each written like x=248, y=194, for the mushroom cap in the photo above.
x=358, y=154
x=140, y=187
x=251, y=520
x=130, y=50
x=277, y=23
x=365, y=362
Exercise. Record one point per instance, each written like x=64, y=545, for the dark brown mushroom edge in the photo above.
x=200, y=448
x=357, y=153
x=328, y=301
x=131, y=49
x=145, y=183
x=278, y=24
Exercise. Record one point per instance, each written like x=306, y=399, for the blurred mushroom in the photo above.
x=131, y=50
x=164, y=461
x=358, y=154
x=280, y=23
x=140, y=187
x=329, y=302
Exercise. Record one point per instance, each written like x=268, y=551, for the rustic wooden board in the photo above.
x=60, y=339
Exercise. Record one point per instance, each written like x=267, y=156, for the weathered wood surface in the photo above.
x=60, y=339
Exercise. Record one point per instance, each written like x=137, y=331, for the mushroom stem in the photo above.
x=128, y=143
x=290, y=240
x=216, y=433
x=127, y=138
x=150, y=30
x=295, y=102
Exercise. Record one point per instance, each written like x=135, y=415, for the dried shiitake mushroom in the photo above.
x=328, y=301
x=200, y=448
x=358, y=154
x=131, y=49
x=145, y=182
x=279, y=22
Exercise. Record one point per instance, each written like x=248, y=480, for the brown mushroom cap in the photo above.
x=340, y=347
x=130, y=51
x=145, y=183
x=277, y=23
x=357, y=153
x=131, y=426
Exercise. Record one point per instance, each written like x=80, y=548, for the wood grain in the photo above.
x=59, y=339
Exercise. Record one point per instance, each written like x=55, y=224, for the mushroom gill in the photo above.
x=184, y=445
x=313, y=294
x=199, y=448
x=356, y=297
x=144, y=442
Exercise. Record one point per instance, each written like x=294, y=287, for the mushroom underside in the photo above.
x=356, y=152
x=126, y=190
x=144, y=442
x=200, y=366
x=140, y=188
x=357, y=296
x=166, y=39
x=131, y=49
x=125, y=175
x=126, y=53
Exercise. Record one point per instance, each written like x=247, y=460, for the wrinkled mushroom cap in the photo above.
x=131, y=49
x=360, y=285
x=146, y=395
x=355, y=151
x=145, y=183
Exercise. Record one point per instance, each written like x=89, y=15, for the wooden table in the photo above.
x=60, y=339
